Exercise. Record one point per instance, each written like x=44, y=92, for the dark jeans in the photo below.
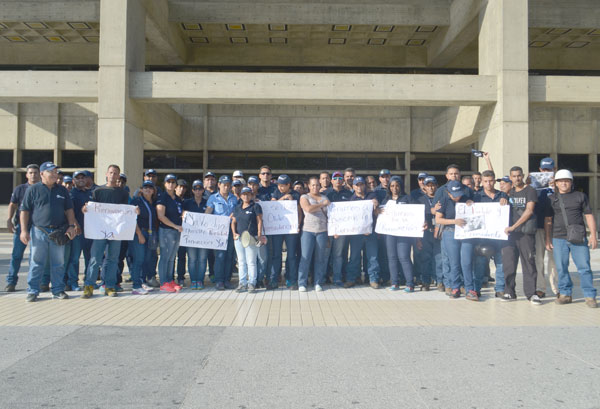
x=223, y=262
x=429, y=259
x=181, y=253
x=398, y=253
x=523, y=246
x=16, y=257
x=291, y=262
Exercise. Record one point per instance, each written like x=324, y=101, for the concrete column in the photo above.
x=122, y=50
x=503, y=52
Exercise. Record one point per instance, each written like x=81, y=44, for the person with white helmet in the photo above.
x=565, y=234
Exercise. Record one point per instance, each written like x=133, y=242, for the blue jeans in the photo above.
x=398, y=251
x=471, y=277
x=168, y=240
x=223, y=262
x=197, y=259
x=44, y=251
x=78, y=244
x=291, y=241
x=265, y=254
x=356, y=244
x=581, y=257
x=445, y=262
x=384, y=270
x=430, y=259
x=141, y=257
x=459, y=255
x=247, y=262
x=112, y=248
x=313, y=243
x=337, y=255
x=16, y=257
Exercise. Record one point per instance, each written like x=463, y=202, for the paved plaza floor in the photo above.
x=342, y=348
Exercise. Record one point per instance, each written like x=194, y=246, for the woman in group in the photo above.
x=314, y=236
x=145, y=233
x=398, y=248
x=197, y=257
x=247, y=216
x=169, y=208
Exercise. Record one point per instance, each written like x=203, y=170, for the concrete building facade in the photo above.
x=303, y=85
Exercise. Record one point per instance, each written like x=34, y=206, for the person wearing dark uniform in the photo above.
x=197, y=257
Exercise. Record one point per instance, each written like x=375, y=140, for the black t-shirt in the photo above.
x=114, y=195
x=518, y=202
x=47, y=206
x=481, y=197
x=191, y=206
x=246, y=218
x=173, y=209
x=278, y=195
x=265, y=193
x=541, y=207
x=576, y=205
x=335, y=196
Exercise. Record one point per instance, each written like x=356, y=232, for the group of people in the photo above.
x=550, y=219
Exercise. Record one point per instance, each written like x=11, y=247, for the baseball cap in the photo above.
x=33, y=166
x=253, y=179
x=430, y=179
x=547, y=163
x=422, y=175
x=181, y=182
x=246, y=190
x=283, y=180
x=359, y=179
x=88, y=174
x=123, y=176
x=397, y=179
x=150, y=172
x=224, y=179
x=237, y=182
x=337, y=175
x=563, y=174
x=78, y=173
x=47, y=166
x=197, y=183
x=209, y=174
x=505, y=179
x=455, y=188
x=68, y=179
x=170, y=176
x=148, y=183
x=384, y=172
x=238, y=173
x=298, y=182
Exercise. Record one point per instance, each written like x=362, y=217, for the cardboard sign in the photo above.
x=484, y=221
x=403, y=220
x=205, y=231
x=350, y=218
x=280, y=217
x=107, y=221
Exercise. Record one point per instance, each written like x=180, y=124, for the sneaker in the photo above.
x=441, y=287
x=168, y=288
x=31, y=297
x=147, y=287
x=425, y=287
x=10, y=288
x=102, y=289
x=302, y=289
x=200, y=285
x=240, y=289
x=349, y=284
x=564, y=299
x=375, y=285
x=508, y=297
x=318, y=288
x=220, y=286
x=394, y=287
x=44, y=288
x=591, y=302
x=499, y=294
x=540, y=293
x=259, y=284
x=472, y=296
x=181, y=282
x=535, y=300
x=153, y=283
x=455, y=293
x=288, y=283
x=212, y=279
x=60, y=296
x=177, y=287
x=251, y=288
x=111, y=292
x=228, y=285
x=88, y=291
x=409, y=289
x=139, y=291
x=118, y=288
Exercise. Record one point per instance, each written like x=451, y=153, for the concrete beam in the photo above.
x=312, y=89
x=49, y=86
x=561, y=90
x=49, y=10
x=456, y=127
x=564, y=14
x=162, y=126
x=463, y=29
x=163, y=35
x=407, y=12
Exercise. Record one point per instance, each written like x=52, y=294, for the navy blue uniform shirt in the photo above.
x=192, y=206
x=246, y=218
x=17, y=197
x=265, y=193
x=47, y=206
x=143, y=219
x=335, y=196
x=173, y=209
x=79, y=198
x=278, y=195
x=448, y=206
x=481, y=197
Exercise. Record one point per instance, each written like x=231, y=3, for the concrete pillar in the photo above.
x=503, y=52
x=122, y=50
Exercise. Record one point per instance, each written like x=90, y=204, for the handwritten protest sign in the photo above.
x=540, y=180
x=106, y=221
x=205, y=231
x=484, y=221
x=280, y=217
x=403, y=220
x=349, y=218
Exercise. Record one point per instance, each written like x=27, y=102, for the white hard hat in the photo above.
x=238, y=173
x=563, y=174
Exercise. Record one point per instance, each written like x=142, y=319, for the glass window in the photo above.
x=78, y=159
x=29, y=156
x=159, y=160
x=312, y=160
x=254, y=160
x=342, y=161
x=439, y=161
x=6, y=158
x=576, y=163
x=582, y=184
x=6, y=181
x=227, y=160
x=378, y=161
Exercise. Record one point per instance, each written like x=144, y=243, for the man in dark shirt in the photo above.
x=428, y=259
x=521, y=239
x=576, y=209
x=339, y=248
x=109, y=193
x=266, y=188
x=415, y=194
x=49, y=207
x=33, y=177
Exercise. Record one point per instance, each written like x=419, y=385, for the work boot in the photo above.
x=564, y=299
x=591, y=302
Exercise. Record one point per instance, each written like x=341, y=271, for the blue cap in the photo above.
x=358, y=179
x=284, y=180
x=181, y=182
x=78, y=172
x=196, y=183
x=237, y=182
x=422, y=175
x=397, y=179
x=170, y=176
x=384, y=172
x=253, y=179
x=298, y=182
x=455, y=188
x=224, y=179
x=504, y=179
x=148, y=183
x=150, y=172
x=88, y=174
x=430, y=179
x=246, y=190
x=68, y=179
x=547, y=163
x=123, y=176
x=47, y=166
x=208, y=174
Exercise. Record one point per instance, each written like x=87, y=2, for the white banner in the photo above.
x=403, y=220
x=205, y=231
x=280, y=217
x=540, y=180
x=484, y=221
x=350, y=218
x=107, y=221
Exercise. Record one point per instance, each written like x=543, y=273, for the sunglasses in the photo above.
x=338, y=178
x=171, y=181
x=265, y=173
x=197, y=188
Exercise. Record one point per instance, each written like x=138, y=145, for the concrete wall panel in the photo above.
x=78, y=126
